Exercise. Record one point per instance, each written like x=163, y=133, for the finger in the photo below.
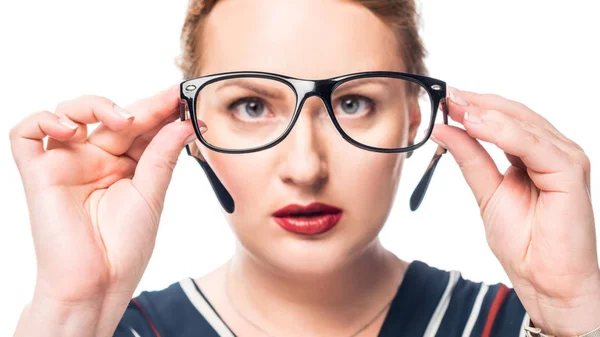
x=155, y=168
x=148, y=112
x=459, y=99
x=516, y=138
x=478, y=167
x=141, y=142
x=27, y=137
x=92, y=109
x=457, y=113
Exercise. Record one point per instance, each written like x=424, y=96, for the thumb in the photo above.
x=155, y=168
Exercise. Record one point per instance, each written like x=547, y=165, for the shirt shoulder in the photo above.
x=178, y=310
x=429, y=302
x=435, y=302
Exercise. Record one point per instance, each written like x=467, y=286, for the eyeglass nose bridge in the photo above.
x=309, y=88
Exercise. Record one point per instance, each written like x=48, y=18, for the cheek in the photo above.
x=250, y=179
x=367, y=184
x=245, y=176
x=366, y=172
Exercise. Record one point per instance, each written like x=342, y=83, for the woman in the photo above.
x=94, y=225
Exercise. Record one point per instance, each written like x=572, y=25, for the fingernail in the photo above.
x=203, y=129
x=68, y=123
x=190, y=139
x=471, y=118
x=439, y=142
x=453, y=94
x=122, y=112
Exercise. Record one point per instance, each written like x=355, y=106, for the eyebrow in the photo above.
x=246, y=84
x=362, y=81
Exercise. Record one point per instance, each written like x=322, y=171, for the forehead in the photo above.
x=302, y=38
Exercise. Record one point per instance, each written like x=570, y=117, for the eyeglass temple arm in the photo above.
x=222, y=193
x=419, y=193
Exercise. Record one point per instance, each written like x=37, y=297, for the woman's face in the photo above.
x=307, y=39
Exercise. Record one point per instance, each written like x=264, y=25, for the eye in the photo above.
x=249, y=108
x=355, y=105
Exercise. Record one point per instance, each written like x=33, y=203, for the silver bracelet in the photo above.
x=532, y=331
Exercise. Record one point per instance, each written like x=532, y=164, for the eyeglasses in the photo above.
x=249, y=111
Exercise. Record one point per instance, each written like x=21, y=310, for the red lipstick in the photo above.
x=311, y=219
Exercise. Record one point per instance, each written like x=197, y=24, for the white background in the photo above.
x=543, y=53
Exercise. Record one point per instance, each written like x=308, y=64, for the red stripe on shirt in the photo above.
x=146, y=317
x=494, y=308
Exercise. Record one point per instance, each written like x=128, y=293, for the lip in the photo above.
x=312, y=219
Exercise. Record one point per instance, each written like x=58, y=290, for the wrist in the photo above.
x=532, y=331
x=567, y=317
x=47, y=317
x=91, y=311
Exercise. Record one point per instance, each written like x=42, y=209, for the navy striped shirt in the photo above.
x=429, y=302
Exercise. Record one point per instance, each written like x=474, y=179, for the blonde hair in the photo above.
x=400, y=15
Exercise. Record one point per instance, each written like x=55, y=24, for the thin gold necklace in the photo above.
x=270, y=335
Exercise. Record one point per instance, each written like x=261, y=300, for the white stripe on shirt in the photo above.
x=204, y=308
x=475, y=310
x=440, y=311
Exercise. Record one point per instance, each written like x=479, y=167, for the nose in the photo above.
x=304, y=162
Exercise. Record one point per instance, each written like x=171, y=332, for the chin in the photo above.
x=309, y=257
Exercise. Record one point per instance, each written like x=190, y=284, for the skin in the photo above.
x=273, y=269
x=538, y=215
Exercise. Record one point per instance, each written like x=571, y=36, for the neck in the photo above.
x=353, y=292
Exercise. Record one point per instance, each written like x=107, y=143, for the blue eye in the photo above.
x=354, y=105
x=254, y=108
x=249, y=108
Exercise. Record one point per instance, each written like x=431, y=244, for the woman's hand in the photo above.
x=95, y=201
x=538, y=214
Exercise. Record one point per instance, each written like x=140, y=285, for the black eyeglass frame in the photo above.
x=324, y=88
x=303, y=89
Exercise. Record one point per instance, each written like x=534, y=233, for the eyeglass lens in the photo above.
x=248, y=112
